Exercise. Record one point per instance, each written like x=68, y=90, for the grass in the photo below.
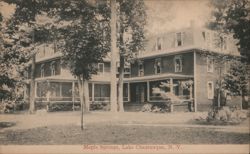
x=106, y=133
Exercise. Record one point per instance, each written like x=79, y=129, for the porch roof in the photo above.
x=158, y=77
x=61, y=78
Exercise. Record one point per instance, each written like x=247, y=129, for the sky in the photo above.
x=166, y=15
x=163, y=15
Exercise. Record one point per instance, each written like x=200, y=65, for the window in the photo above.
x=157, y=66
x=101, y=68
x=179, y=39
x=102, y=92
x=66, y=89
x=141, y=68
x=210, y=90
x=53, y=68
x=210, y=64
x=55, y=46
x=178, y=63
x=127, y=68
x=204, y=35
x=156, y=84
x=159, y=44
x=223, y=42
x=42, y=70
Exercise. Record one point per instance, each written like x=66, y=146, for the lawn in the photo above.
x=107, y=133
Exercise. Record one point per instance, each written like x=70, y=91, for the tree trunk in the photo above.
x=113, y=93
x=120, y=84
x=86, y=95
x=82, y=99
x=32, y=85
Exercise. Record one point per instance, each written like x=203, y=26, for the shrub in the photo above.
x=63, y=106
x=156, y=107
x=226, y=115
x=99, y=106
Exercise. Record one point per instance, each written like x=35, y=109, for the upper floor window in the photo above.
x=223, y=42
x=210, y=64
x=42, y=70
x=206, y=38
x=157, y=66
x=127, y=68
x=141, y=68
x=210, y=90
x=179, y=39
x=159, y=44
x=53, y=68
x=55, y=46
x=178, y=63
x=100, y=68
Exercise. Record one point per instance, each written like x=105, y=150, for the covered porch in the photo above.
x=141, y=89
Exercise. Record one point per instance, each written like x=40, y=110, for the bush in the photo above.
x=63, y=106
x=156, y=107
x=99, y=106
x=226, y=115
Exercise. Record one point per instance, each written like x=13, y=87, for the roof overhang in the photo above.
x=158, y=77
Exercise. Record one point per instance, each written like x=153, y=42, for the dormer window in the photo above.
x=159, y=44
x=223, y=42
x=53, y=68
x=178, y=63
x=157, y=66
x=42, y=70
x=101, y=68
x=179, y=39
x=141, y=68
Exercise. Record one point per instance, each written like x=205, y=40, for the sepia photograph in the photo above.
x=124, y=76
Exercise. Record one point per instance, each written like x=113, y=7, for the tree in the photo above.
x=11, y=62
x=131, y=39
x=232, y=16
x=26, y=39
x=235, y=80
x=85, y=42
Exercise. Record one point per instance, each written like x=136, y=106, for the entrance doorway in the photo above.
x=138, y=92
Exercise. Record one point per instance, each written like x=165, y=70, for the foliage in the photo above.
x=131, y=21
x=226, y=116
x=235, y=80
x=232, y=16
x=63, y=106
x=85, y=42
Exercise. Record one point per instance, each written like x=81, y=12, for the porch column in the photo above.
x=73, y=91
x=48, y=92
x=73, y=95
x=148, y=91
x=35, y=89
x=195, y=83
x=171, y=85
x=128, y=92
x=93, y=92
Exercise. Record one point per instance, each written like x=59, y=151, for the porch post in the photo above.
x=48, y=93
x=93, y=92
x=73, y=95
x=171, y=85
x=148, y=91
x=195, y=83
x=35, y=89
x=128, y=92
